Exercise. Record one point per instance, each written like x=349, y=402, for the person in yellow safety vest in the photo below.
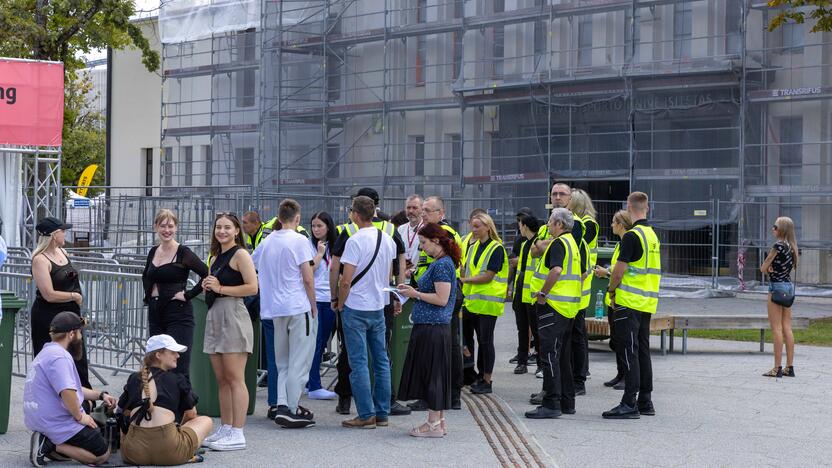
x=621, y=223
x=433, y=211
x=582, y=209
x=252, y=229
x=463, y=325
x=556, y=286
x=523, y=303
x=343, y=388
x=487, y=274
x=634, y=295
x=274, y=225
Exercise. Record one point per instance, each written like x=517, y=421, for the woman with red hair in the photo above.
x=427, y=369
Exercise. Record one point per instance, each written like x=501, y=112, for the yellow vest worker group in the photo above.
x=425, y=260
x=488, y=298
x=565, y=295
x=639, y=288
x=611, y=269
x=383, y=226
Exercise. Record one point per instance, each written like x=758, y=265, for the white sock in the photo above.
x=237, y=432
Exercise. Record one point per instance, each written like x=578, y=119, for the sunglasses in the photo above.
x=774, y=227
x=227, y=214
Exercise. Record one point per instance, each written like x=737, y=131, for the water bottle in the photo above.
x=599, y=304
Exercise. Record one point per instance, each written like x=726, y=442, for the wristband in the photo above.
x=101, y=395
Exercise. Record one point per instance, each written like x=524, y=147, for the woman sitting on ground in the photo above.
x=164, y=428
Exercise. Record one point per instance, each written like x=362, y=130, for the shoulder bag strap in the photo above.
x=372, y=260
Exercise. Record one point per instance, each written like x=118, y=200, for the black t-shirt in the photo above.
x=518, y=244
x=495, y=262
x=591, y=230
x=781, y=267
x=630, y=249
x=554, y=258
x=173, y=392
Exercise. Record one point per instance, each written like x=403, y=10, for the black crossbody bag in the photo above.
x=372, y=260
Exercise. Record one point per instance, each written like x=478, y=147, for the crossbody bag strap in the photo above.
x=372, y=260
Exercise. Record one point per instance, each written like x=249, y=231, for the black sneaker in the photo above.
x=646, y=408
x=39, y=447
x=533, y=358
x=621, y=411
x=514, y=359
x=621, y=385
x=614, y=381
x=537, y=398
x=482, y=388
x=272, y=412
x=580, y=389
x=286, y=418
x=343, y=406
x=418, y=405
x=456, y=401
x=398, y=409
x=567, y=409
x=521, y=369
x=542, y=412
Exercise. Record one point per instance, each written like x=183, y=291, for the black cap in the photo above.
x=48, y=225
x=369, y=193
x=66, y=322
x=525, y=211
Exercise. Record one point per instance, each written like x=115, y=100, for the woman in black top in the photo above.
x=229, y=335
x=165, y=277
x=58, y=287
x=160, y=423
x=779, y=263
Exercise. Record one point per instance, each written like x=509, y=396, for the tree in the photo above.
x=63, y=30
x=820, y=11
x=84, y=137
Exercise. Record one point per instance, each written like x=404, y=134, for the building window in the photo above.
x=244, y=165
x=148, y=171
x=208, y=157
x=419, y=162
x=682, y=30
x=499, y=43
x=793, y=37
x=245, y=53
x=188, y=156
x=333, y=166
x=791, y=151
x=585, y=41
x=632, y=36
x=421, y=42
x=456, y=155
x=733, y=18
x=167, y=165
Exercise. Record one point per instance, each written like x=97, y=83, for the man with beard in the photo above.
x=52, y=398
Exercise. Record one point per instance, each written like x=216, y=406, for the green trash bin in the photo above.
x=604, y=258
x=203, y=380
x=399, y=341
x=11, y=304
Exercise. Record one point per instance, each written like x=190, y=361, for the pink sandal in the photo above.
x=428, y=430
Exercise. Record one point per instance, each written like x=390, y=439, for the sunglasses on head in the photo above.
x=228, y=214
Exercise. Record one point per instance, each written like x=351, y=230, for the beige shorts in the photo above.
x=228, y=327
x=162, y=445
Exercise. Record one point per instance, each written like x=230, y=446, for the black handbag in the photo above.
x=783, y=298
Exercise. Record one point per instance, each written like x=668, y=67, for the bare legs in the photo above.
x=780, y=319
x=233, y=394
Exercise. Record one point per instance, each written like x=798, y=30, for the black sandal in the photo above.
x=776, y=372
x=788, y=371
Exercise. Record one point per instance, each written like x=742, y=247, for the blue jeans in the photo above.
x=271, y=365
x=365, y=330
x=326, y=323
x=784, y=286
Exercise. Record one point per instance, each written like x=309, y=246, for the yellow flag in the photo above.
x=85, y=179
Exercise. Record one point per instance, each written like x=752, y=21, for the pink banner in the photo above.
x=31, y=102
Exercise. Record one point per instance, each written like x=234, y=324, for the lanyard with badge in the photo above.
x=410, y=238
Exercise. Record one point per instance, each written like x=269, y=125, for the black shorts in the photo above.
x=90, y=440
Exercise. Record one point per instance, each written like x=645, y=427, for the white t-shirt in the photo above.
x=367, y=294
x=322, y=293
x=410, y=238
x=278, y=259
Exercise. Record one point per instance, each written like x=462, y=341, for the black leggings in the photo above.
x=486, y=355
x=176, y=319
x=342, y=387
x=525, y=316
x=41, y=317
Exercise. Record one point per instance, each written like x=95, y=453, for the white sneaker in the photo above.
x=217, y=435
x=322, y=394
x=539, y=373
x=234, y=440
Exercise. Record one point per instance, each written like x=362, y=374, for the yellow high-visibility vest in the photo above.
x=488, y=298
x=565, y=295
x=639, y=288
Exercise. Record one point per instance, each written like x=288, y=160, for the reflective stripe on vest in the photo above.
x=611, y=269
x=565, y=295
x=529, y=264
x=592, y=244
x=639, y=288
x=488, y=298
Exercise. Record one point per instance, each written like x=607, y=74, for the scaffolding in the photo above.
x=494, y=99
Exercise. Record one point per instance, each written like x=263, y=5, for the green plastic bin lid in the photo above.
x=10, y=301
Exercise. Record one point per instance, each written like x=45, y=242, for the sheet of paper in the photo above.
x=396, y=292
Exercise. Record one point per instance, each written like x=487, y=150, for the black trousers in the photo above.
x=525, y=317
x=457, y=367
x=176, y=318
x=632, y=333
x=388, y=339
x=469, y=326
x=580, y=349
x=619, y=357
x=486, y=354
x=554, y=358
x=343, y=387
x=41, y=317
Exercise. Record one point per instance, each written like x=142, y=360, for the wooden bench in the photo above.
x=727, y=322
x=659, y=323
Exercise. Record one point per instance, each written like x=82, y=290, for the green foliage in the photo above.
x=63, y=30
x=84, y=136
x=799, y=11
